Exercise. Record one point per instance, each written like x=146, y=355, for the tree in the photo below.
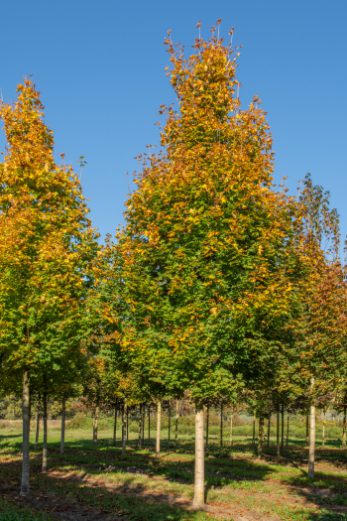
x=46, y=245
x=201, y=256
x=313, y=366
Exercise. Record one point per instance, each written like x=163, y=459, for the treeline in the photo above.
x=220, y=287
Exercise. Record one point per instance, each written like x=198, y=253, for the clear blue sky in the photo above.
x=100, y=68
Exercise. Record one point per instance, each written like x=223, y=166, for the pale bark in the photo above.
x=24, y=491
x=231, y=425
x=143, y=409
x=207, y=426
x=169, y=423
x=95, y=423
x=278, y=446
x=199, y=474
x=63, y=423
x=124, y=428
x=115, y=412
x=261, y=436
x=344, y=427
x=177, y=415
x=140, y=441
x=37, y=431
x=254, y=424
x=287, y=434
x=282, y=429
x=312, y=437
x=149, y=424
x=45, y=429
x=221, y=426
x=323, y=428
x=268, y=430
x=157, y=437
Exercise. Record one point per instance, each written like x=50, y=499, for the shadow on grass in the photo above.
x=129, y=487
x=326, y=491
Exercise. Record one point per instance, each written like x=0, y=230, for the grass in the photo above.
x=93, y=482
x=10, y=512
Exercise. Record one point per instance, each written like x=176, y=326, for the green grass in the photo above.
x=96, y=480
x=10, y=512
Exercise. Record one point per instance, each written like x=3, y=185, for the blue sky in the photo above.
x=100, y=68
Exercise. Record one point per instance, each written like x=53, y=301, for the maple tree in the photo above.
x=202, y=252
x=46, y=246
x=312, y=368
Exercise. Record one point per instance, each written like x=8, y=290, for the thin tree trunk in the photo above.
x=127, y=432
x=207, y=426
x=268, y=430
x=177, y=415
x=149, y=424
x=307, y=428
x=124, y=429
x=143, y=409
x=37, y=432
x=63, y=418
x=95, y=423
x=24, y=491
x=344, y=427
x=278, y=446
x=140, y=427
x=157, y=438
x=261, y=436
x=323, y=428
x=231, y=427
x=199, y=476
x=169, y=423
x=221, y=426
x=44, y=441
x=115, y=413
x=312, y=440
x=282, y=429
x=287, y=434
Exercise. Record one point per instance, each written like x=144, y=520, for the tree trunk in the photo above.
x=253, y=434
x=312, y=438
x=282, y=429
x=44, y=441
x=24, y=491
x=115, y=413
x=140, y=427
x=344, y=427
x=157, y=438
x=287, y=434
x=221, y=426
x=95, y=423
x=127, y=415
x=37, y=432
x=268, y=430
x=261, y=436
x=169, y=423
x=63, y=417
x=231, y=439
x=323, y=428
x=124, y=429
x=207, y=426
x=177, y=415
x=199, y=477
x=278, y=446
x=143, y=423
x=149, y=424
x=307, y=429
